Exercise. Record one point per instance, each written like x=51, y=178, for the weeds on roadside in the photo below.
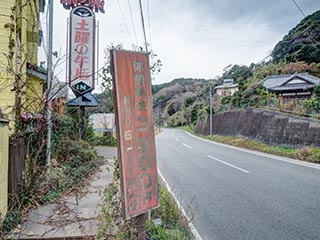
x=75, y=161
x=166, y=222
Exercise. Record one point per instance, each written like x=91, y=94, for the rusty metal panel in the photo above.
x=135, y=132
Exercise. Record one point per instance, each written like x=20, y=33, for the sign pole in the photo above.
x=141, y=227
x=82, y=113
x=49, y=83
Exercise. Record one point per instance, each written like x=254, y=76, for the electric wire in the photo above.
x=305, y=30
x=304, y=15
x=132, y=21
x=124, y=20
x=299, y=8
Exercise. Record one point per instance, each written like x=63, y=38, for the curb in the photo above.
x=193, y=229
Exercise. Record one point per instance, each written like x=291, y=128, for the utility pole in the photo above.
x=210, y=96
x=143, y=27
x=49, y=81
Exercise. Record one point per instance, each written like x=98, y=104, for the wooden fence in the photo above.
x=17, y=156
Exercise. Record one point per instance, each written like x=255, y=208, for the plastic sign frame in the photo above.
x=82, y=50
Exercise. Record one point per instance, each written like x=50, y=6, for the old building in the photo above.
x=228, y=88
x=297, y=85
x=21, y=80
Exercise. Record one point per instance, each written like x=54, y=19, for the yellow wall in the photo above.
x=4, y=155
x=34, y=93
x=7, y=97
x=25, y=19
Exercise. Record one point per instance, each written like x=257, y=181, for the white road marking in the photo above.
x=187, y=146
x=228, y=164
x=274, y=157
x=194, y=231
x=177, y=140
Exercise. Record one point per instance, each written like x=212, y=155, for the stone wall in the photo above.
x=266, y=126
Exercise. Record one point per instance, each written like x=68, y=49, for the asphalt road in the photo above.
x=239, y=194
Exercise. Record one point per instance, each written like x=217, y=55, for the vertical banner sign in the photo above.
x=82, y=50
x=132, y=88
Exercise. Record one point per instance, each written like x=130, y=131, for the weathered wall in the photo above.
x=4, y=159
x=266, y=126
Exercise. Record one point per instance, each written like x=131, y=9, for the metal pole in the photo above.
x=97, y=51
x=143, y=27
x=49, y=82
x=141, y=227
x=82, y=115
x=210, y=95
x=67, y=52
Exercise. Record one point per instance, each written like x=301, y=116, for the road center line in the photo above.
x=230, y=165
x=187, y=146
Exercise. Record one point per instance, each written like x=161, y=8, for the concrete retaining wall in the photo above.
x=266, y=126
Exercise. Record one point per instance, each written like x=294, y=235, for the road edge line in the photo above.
x=193, y=229
x=267, y=155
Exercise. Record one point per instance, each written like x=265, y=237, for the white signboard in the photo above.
x=82, y=50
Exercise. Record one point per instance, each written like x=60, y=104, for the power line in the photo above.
x=300, y=10
x=305, y=30
x=134, y=28
x=125, y=22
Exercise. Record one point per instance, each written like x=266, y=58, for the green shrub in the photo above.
x=10, y=221
x=107, y=139
x=75, y=161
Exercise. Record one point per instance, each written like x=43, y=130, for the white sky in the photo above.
x=193, y=38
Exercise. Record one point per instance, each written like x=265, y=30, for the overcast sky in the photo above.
x=193, y=38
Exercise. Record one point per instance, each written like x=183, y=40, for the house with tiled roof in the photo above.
x=297, y=85
x=228, y=88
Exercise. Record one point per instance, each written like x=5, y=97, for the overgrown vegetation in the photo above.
x=166, y=222
x=302, y=42
x=73, y=161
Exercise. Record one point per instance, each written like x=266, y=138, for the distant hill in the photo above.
x=302, y=43
x=180, y=81
x=170, y=98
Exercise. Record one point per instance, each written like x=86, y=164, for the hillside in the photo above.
x=302, y=43
x=175, y=97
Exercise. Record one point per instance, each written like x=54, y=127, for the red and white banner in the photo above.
x=135, y=132
x=82, y=50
